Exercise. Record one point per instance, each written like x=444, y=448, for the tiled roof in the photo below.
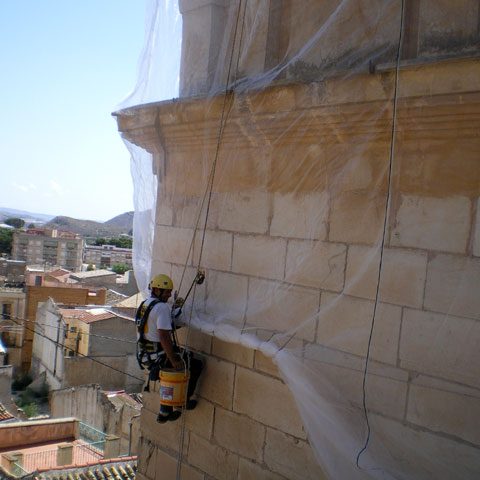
x=92, y=274
x=89, y=315
x=118, y=469
x=5, y=414
x=59, y=272
x=133, y=301
x=120, y=398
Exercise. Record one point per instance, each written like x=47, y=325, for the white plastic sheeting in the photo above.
x=352, y=269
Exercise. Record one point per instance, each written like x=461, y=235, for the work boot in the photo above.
x=168, y=417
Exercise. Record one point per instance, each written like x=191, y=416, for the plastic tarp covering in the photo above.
x=309, y=194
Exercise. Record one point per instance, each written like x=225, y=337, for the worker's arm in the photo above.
x=167, y=345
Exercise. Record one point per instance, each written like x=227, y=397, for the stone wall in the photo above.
x=112, y=415
x=334, y=37
x=40, y=431
x=112, y=373
x=297, y=213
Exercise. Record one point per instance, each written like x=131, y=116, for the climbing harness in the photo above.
x=150, y=353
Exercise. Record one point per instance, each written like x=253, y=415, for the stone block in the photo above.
x=441, y=345
x=233, y=352
x=164, y=213
x=147, y=458
x=200, y=421
x=300, y=216
x=160, y=266
x=242, y=212
x=283, y=308
x=227, y=295
x=216, y=461
x=316, y=264
x=429, y=455
x=166, y=468
x=361, y=277
x=453, y=285
x=166, y=435
x=403, y=277
x=357, y=218
x=345, y=323
x=217, y=382
x=343, y=387
x=239, y=434
x=476, y=237
x=197, y=340
x=266, y=400
x=182, y=286
x=259, y=256
x=265, y=364
x=443, y=411
x=291, y=458
x=217, y=250
x=252, y=471
x=187, y=211
x=432, y=223
x=172, y=244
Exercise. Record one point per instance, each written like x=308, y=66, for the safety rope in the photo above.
x=385, y=220
x=228, y=95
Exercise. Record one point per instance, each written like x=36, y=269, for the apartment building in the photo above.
x=106, y=255
x=84, y=345
x=48, y=247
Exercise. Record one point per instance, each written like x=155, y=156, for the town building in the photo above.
x=84, y=345
x=12, y=315
x=103, y=256
x=68, y=294
x=60, y=448
x=113, y=412
x=334, y=147
x=95, y=278
x=48, y=247
x=12, y=272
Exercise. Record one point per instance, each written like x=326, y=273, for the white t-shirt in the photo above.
x=158, y=319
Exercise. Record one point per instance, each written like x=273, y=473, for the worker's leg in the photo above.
x=196, y=367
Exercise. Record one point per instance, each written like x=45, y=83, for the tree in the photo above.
x=90, y=267
x=120, y=268
x=6, y=239
x=15, y=222
x=31, y=225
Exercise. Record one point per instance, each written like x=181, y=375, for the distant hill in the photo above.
x=121, y=224
x=28, y=217
x=125, y=220
x=88, y=228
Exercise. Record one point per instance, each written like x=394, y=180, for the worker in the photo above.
x=156, y=321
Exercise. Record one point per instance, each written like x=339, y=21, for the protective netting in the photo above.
x=320, y=161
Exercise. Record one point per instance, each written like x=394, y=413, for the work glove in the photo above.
x=179, y=301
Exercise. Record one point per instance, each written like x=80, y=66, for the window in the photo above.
x=6, y=310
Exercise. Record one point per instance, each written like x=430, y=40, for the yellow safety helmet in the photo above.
x=161, y=281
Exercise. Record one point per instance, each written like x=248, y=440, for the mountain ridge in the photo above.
x=120, y=224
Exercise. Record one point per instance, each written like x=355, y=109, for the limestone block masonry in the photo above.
x=275, y=232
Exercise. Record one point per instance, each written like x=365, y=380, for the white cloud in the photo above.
x=56, y=187
x=24, y=188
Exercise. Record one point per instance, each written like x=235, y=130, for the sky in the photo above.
x=65, y=67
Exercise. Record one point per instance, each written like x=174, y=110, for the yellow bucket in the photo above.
x=173, y=387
